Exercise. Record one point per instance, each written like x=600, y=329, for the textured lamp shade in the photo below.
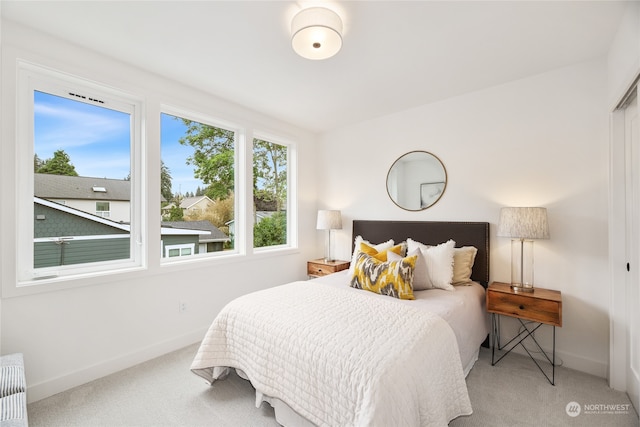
x=329, y=220
x=316, y=33
x=522, y=225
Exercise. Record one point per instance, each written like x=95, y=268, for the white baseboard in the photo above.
x=572, y=361
x=53, y=386
x=582, y=364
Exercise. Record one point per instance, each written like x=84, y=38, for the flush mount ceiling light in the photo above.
x=316, y=33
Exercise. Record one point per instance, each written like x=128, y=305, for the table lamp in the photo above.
x=329, y=220
x=523, y=225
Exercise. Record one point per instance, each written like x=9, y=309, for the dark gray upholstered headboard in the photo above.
x=433, y=233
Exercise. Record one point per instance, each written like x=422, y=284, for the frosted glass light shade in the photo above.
x=316, y=33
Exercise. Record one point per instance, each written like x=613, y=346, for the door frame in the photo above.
x=619, y=246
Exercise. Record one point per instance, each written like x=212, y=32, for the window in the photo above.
x=80, y=170
x=270, y=184
x=172, y=251
x=77, y=141
x=198, y=183
x=102, y=209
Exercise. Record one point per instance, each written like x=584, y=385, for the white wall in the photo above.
x=540, y=141
x=623, y=61
x=74, y=335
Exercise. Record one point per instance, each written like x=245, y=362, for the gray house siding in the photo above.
x=51, y=254
x=215, y=246
x=53, y=223
x=57, y=223
x=65, y=236
x=180, y=240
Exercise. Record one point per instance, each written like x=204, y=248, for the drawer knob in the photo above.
x=521, y=307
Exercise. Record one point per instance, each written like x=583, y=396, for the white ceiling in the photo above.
x=396, y=55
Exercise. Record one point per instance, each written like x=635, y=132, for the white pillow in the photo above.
x=463, y=259
x=412, y=245
x=439, y=263
x=356, y=249
x=421, y=280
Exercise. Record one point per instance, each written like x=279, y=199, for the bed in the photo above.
x=322, y=352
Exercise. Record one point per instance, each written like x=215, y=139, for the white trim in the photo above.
x=105, y=367
x=292, y=195
x=33, y=78
x=180, y=247
x=182, y=232
x=239, y=154
x=76, y=238
x=617, y=254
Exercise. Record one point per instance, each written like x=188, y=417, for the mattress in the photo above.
x=463, y=309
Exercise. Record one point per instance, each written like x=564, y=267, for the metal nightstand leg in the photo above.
x=522, y=335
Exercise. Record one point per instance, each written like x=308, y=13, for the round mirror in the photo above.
x=416, y=180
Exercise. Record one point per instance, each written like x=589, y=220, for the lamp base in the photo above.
x=518, y=288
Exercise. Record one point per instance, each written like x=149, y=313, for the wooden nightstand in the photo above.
x=542, y=307
x=320, y=267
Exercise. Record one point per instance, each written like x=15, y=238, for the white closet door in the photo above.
x=632, y=155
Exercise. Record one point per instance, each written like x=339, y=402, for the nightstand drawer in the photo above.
x=319, y=267
x=525, y=307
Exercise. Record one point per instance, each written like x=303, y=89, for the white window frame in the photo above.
x=32, y=77
x=190, y=246
x=292, y=190
x=239, y=185
x=104, y=213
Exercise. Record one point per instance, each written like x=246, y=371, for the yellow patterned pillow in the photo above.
x=382, y=255
x=392, y=278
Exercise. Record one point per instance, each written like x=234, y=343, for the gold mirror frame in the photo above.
x=416, y=180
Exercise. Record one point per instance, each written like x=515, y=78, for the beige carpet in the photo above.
x=163, y=392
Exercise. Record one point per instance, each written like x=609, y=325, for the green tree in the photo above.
x=59, y=164
x=270, y=231
x=165, y=181
x=37, y=163
x=175, y=213
x=213, y=157
x=270, y=172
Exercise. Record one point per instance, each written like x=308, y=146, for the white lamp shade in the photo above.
x=329, y=220
x=523, y=223
x=316, y=33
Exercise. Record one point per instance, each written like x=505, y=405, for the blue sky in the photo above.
x=97, y=140
x=175, y=154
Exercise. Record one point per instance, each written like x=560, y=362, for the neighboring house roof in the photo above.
x=49, y=186
x=189, y=202
x=126, y=227
x=82, y=214
x=214, y=234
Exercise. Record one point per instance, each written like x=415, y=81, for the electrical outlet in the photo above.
x=182, y=306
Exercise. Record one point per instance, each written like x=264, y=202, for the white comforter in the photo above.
x=339, y=358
